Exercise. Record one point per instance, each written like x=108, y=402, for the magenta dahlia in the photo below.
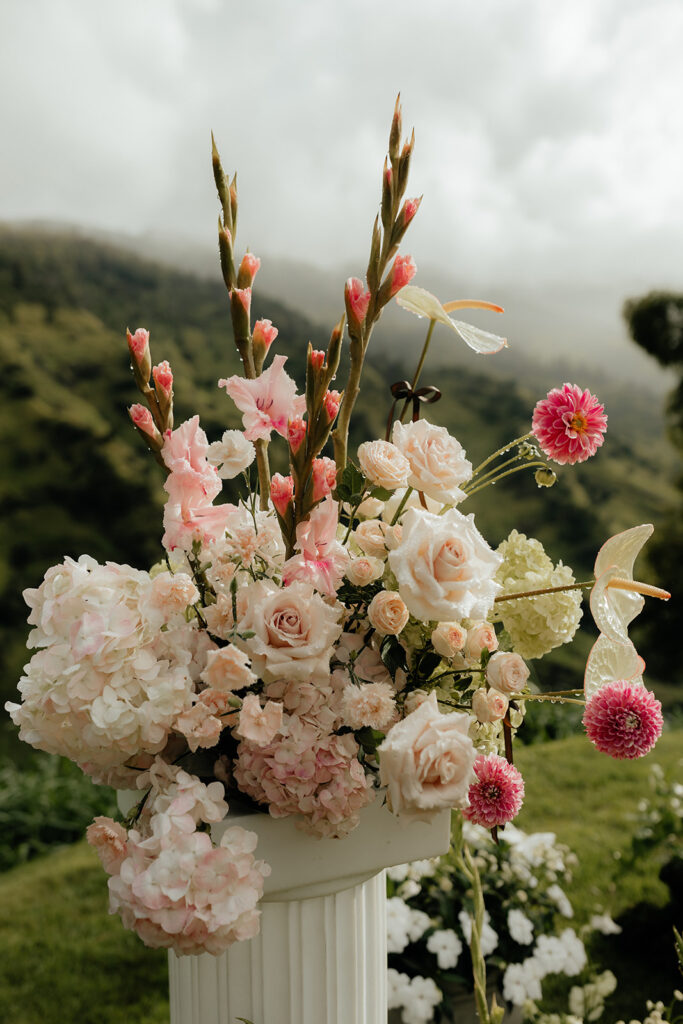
x=569, y=424
x=623, y=719
x=496, y=795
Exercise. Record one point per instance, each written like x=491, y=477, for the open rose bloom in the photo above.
x=331, y=637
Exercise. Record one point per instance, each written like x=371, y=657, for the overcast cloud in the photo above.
x=549, y=146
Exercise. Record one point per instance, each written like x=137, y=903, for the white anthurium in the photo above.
x=616, y=598
x=608, y=661
x=422, y=303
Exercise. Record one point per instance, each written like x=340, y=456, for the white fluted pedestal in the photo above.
x=320, y=957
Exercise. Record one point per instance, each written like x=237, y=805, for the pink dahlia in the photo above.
x=496, y=795
x=569, y=424
x=623, y=719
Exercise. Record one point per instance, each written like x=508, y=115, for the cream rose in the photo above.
x=294, y=631
x=437, y=461
x=507, y=672
x=444, y=567
x=232, y=454
x=383, y=464
x=426, y=762
x=387, y=613
x=481, y=636
x=448, y=638
x=370, y=536
x=489, y=705
x=370, y=508
x=362, y=571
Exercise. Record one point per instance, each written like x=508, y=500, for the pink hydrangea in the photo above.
x=569, y=424
x=623, y=719
x=497, y=793
x=307, y=772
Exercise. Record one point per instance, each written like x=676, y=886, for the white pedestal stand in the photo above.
x=320, y=957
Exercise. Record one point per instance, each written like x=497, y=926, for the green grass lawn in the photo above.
x=65, y=961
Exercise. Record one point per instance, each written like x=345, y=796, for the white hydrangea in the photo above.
x=520, y=927
x=559, y=898
x=446, y=947
x=535, y=625
x=522, y=982
x=107, y=684
x=420, y=1001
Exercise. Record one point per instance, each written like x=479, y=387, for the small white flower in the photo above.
x=520, y=927
x=446, y=947
x=603, y=923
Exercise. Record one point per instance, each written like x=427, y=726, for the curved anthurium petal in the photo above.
x=608, y=661
x=622, y=549
x=422, y=303
x=481, y=341
x=613, y=610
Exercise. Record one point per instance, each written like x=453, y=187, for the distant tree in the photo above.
x=655, y=323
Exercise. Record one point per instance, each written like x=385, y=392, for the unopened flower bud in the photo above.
x=545, y=477
x=281, y=493
x=332, y=401
x=163, y=386
x=142, y=419
x=138, y=346
x=357, y=300
x=248, y=269
x=324, y=477
x=240, y=308
x=401, y=274
x=296, y=432
x=408, y=211
x=395, y=132
x=264, y=333
x=317, y=359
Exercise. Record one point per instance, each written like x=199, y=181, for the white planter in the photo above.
x=320, y=957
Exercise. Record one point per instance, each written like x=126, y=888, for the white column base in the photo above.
x=320, y=960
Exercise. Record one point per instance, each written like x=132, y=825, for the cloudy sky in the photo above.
x=549, y=146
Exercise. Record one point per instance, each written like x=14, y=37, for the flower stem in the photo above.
x=501, y=451
x=545, y=590
x=491, y=472
x=495, y=479
x=549, y=696
x=418, y=371
x=402, y=505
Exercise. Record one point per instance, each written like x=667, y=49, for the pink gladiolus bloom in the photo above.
x=267, y=403
x=322, y=560
x=410, y=208
x=138, y=344
x=249, y=267
x=357, y=300
x=317, y=358
x=192, y=486
x=281, y=492
x=623, y=719
x=569, y=424
x=264, y=333
x=497, y=794
x=163, y=377
x=296, y=432
x=324, y=477
x=332, y=402
x=401, y=274
x=244, y=296
x=142, y=418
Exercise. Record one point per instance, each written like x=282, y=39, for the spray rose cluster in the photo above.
x=329, y=638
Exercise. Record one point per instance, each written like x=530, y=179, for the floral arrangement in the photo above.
x=339, y=635
x=430, y=910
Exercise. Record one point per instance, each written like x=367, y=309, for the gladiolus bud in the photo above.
x=357, y=300
x=317, y=359
x=408, y=211
x=332, y=401
x=296, y=432
x=264, y=333
x=324, y=477
x=281, y=493
x=395, y=132
x=401, y=274
x=240, y=308
x=142, y=419
x=138, y=346
x=248, y=269
x=163, y=378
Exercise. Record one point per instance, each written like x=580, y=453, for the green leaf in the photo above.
x=369, y=739
x=393, y=655
x=351, y=484
x=382, y=493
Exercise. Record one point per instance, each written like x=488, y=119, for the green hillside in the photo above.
x=75, y=478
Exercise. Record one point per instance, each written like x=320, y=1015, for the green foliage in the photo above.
x=44, y=804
